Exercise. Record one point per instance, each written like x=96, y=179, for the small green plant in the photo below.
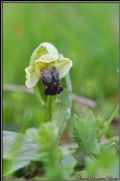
x=38, y=154
x=47, y=70
x=97, y=155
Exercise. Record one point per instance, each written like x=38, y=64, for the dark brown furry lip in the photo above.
x=51, y=79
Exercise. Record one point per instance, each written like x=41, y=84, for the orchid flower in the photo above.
x=44, y=57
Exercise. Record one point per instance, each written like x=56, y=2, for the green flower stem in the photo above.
x=44, y=102
x=57, y=108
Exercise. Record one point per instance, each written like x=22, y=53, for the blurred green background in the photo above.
x=87, y=33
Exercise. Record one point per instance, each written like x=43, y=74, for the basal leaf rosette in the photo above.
x=43, y=58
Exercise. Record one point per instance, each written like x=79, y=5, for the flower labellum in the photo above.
x=48, y=65
x=52, y=81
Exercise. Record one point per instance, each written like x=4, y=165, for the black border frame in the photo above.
x=2, y=2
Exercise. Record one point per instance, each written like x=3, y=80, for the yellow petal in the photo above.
x=63, y=66
x=44, y=52
x=31, y=77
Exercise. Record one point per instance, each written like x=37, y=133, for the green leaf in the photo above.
x=68, y=164
x=16, y=147
x=38, y=90
x=107, y=124
x=105, y=165
x=85, y=133
x=10, y=166
x=61, y=106
x=31, y=134
x=46, y=139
